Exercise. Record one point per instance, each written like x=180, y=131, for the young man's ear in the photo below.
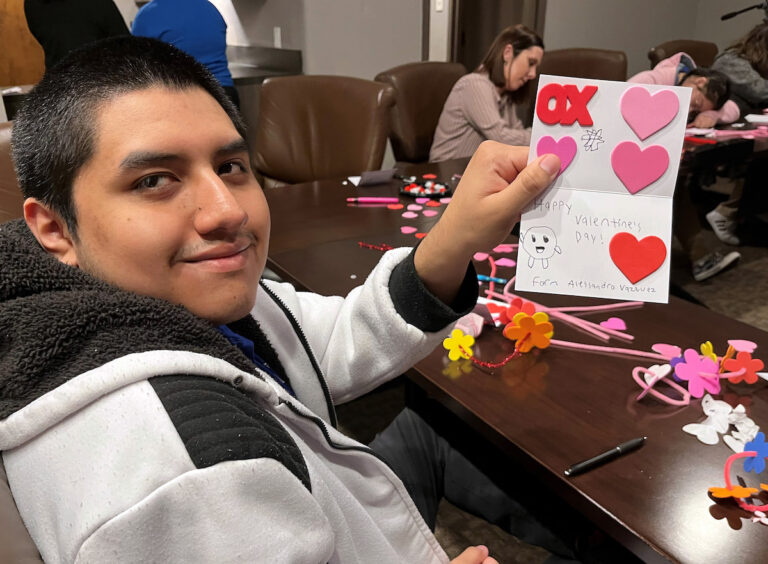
x=50, y=230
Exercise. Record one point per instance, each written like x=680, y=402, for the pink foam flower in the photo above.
x=694, y=369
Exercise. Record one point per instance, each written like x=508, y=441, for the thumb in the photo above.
x=531, y=181
x=472, y=555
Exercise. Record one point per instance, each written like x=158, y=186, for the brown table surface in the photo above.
x=551, y=409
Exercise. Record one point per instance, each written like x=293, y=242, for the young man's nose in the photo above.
x=217, y=207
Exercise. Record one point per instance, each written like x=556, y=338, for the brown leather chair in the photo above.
x=703, y=53
x=316, y=127
x=420, y=93
x=11, y=199
x=599, y=64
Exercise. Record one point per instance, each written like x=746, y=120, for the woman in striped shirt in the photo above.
x=480, y=105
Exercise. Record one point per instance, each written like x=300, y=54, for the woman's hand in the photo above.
x=474, y=555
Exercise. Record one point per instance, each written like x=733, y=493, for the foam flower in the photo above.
x=693, y=369
x=529, y=330
x=459, y=345
x=516, y=306
x=750, y=365
x=756, y=463
x=708, y=351
x=735, y=492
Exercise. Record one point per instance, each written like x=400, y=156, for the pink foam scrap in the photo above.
x=504, y=261
x=471, y=324
x=504, y=248
x=422, y=200
x=480, y=256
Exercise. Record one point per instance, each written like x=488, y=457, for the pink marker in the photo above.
x=373, y=200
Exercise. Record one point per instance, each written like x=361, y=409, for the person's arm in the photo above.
x=481, y=112
x=409, y=301
x=727, y=114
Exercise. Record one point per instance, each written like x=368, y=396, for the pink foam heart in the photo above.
x=638, y=168
x=422, y=200
x=430, y=213
x=667, y=351
x=410, y=215
x=647, y=113
x=565, y=148
x=445, y=200
x=504, y=261
x=614, y=323
x=480, y=256
x=503, y=248
x=743, y=346
x=414, y=207
x=407, y=230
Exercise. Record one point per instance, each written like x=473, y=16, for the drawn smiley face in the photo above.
x=540, y=242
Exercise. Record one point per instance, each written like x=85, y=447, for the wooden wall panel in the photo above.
x=21, y=57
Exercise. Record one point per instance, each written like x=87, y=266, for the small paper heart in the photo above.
x=656, y=372
x=420, y=235
x=667, y=351
x=414, y=207
x=433, y=204
x=430, y=213
x=422, y=200
x=504, y=261
x=407, y=229
x=503, y=248
x=743, y=346
x=614, y=323
x=445, y=200
x=480, y=256
x=410, y=215
x=395, y=206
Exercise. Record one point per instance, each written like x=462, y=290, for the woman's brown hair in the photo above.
x=520, y=37
x=754, y=48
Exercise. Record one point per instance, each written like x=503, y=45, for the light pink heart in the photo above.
x=667, y=351
x=614, y=323
x=407, y=230
x=504, y=248
x=422, y=200
x=743, y=346
x=638, y=168
x=480, y=256
x=414, y=207
x=504, y=261
x=410, y=215
x=445, y=200
x=647, y=113
x=430, y=213
x=565, y=148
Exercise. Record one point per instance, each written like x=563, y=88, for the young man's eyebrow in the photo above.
x=143, y=159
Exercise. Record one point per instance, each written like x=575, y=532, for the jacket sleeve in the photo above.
x=746, y=82
x=381, y=328
x=727, y=114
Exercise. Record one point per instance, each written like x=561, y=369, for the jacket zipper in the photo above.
x=303, y=338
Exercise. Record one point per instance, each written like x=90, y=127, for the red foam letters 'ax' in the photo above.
x=637, y=259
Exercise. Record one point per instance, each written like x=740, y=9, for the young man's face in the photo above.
x=168, y=206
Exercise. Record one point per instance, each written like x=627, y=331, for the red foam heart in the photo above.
x=637, y=259
x=419, y=235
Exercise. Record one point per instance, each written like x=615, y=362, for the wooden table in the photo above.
x=549, y=410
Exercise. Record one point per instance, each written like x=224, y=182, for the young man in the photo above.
x=159, y=403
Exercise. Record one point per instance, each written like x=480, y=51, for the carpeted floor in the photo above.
x=739, y=292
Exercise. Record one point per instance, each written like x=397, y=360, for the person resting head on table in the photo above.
x=481, y=105
x=710, y=89
x=160, y=402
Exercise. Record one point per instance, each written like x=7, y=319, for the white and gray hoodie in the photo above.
x=133, y=431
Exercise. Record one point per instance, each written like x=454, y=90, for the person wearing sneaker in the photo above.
x=723, y=221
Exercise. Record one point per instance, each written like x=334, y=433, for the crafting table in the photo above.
x=552, y=408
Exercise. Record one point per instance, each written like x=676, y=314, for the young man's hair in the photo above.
x=54, y=131
x=718, y=87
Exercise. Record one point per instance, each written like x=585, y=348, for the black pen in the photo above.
x=604, y=457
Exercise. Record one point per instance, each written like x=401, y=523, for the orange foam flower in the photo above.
x=529, y=330
x=736, y=491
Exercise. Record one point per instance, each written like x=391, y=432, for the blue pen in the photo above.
x=484, y=278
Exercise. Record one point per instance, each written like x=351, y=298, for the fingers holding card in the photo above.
x=604, y=228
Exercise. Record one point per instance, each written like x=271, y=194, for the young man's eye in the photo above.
x=153, y=181
x=232, y=167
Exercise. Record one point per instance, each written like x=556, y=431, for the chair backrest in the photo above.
x=11, y=199
x=316, y=127
x=420, y=93
x=599, y=64
x=703, y=53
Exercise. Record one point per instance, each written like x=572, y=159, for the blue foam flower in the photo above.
x=756, y=463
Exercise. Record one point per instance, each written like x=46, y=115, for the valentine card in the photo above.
x=604, y=227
